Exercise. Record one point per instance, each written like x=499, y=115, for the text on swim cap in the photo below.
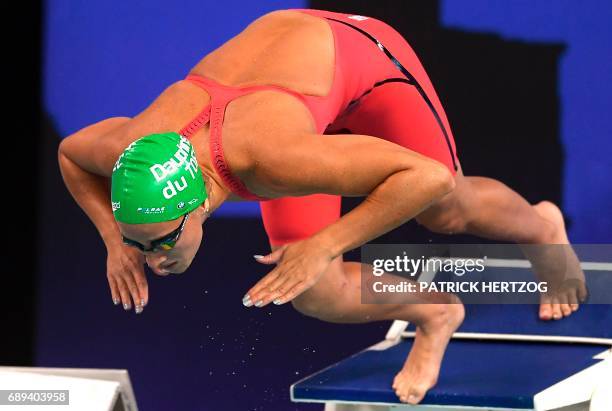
x=185, y=155
x=169, y=190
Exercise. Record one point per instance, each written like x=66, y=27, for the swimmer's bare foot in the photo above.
x=566, y=282
x=421, y=369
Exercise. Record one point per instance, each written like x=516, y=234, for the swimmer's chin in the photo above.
x=179, y=269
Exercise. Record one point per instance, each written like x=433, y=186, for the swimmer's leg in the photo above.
x=481, y=206
x=487, y=208
x=336, y=297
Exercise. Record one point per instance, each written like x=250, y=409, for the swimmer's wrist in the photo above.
x=329, y=245
x=111, y=237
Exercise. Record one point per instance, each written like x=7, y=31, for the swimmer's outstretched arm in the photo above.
x=86, y=160
x=398, y=183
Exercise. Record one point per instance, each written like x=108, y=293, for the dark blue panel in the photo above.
x=585, y=91
x=474, y=373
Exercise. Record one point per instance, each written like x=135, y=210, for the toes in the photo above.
x=409, y=394
x=572, y=300
x=545, y=311
x=558, y=307
x=415, y=395
x=556, y=311
x=564, y=305
x=566, y=310
x=397, y=382
x=400, y=392
x=583, y=293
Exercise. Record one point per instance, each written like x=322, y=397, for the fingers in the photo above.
x=143, y=287
x=284, y=289
x=134, y=293
x=128, y=292
x=272, y=258
x=299, y=267
x=114, y=290
x=291, y=293
x=277, y=288
x=260, y=291
x=124, y=292
x=130, y=289
x=136, y=282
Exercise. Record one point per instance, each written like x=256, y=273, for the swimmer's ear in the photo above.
x=204, y=210
x=271, y=258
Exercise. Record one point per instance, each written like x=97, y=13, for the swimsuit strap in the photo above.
x=214, y=113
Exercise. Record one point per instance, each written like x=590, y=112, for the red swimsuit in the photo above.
x=380, y=89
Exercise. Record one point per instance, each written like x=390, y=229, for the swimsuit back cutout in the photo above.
x=220, y=96
x=214, y=113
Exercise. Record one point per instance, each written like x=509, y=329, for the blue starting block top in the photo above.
x=474, y=373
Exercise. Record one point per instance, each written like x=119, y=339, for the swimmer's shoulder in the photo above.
x=286, y=14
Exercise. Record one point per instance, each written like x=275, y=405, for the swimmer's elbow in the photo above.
x=66, y=152
x=431, y=177
x=62, y=151
x=89, y=146
x=439, y=178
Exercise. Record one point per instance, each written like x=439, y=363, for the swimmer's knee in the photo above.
x=324, y=301
x=310, y=307
x=307, y=306
x=318, y=306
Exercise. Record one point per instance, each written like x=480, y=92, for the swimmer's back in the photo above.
x=285, y=48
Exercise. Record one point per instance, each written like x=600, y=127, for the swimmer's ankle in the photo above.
x=442, y=317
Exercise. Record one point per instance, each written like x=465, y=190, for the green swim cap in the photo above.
x=157, y=178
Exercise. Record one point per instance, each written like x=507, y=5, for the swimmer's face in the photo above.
x=177, y=259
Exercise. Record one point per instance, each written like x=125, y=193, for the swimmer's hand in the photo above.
x=298, y=267
x=126, y=276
